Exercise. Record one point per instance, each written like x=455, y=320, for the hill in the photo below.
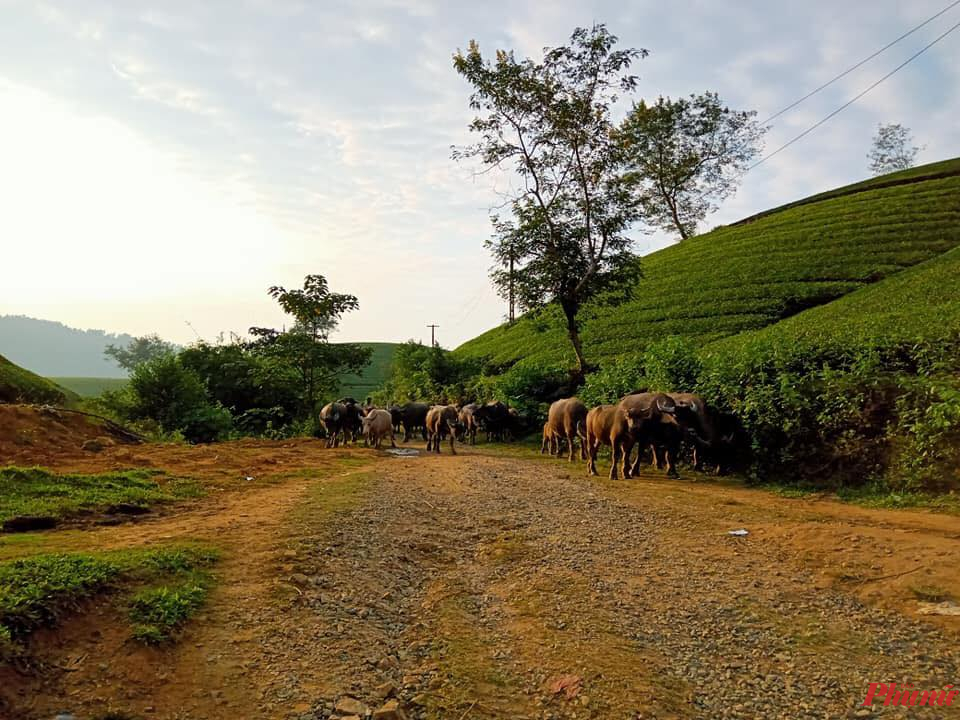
x=53, y=349
x=919, y=305
x=89, y=387
x=22, y=386
x=753, y=274
x=373, y=376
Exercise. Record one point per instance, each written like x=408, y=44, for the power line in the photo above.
x=861, y=63
x=856, y=97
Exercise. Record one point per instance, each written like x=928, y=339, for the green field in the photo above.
x=88, y=387
x=747, y=276
x=20, y=385
x=373, y=376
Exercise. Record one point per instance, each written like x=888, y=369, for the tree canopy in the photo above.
x=548, y=123
x=892, y=149
x=304, y=349
x=685, y=156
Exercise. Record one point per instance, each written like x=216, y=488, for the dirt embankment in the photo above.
x=482, y=586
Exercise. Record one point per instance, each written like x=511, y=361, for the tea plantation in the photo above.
x=748, y=276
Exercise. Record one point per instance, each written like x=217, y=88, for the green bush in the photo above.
x=614, y=380
x=166, y=392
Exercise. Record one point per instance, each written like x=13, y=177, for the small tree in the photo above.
x=892, y=149
x=685, y=156
x=140, y=350
x=549, y=122
x=304, y=349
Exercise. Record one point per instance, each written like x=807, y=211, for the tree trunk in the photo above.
x=573, y=332
x=676, y=220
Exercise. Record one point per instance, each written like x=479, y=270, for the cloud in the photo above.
x=262, y=140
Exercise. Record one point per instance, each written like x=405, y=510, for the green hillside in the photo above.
x=19, y=385
x=919, y=305
x=373, y=376
x=747, y=276
x=88, y=387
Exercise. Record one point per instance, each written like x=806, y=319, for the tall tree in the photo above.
x=685, y=156
x=140, y=350
x=549, y=123
x=892, y=149
x=305, y=349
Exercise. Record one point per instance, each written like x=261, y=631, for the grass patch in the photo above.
x=39, y=492
x=873, y=496
x=791, y=491
x=38, y=591
x=930, y=593
x=158, y=612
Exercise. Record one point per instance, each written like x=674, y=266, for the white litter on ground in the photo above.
x=947, y=607
x=739, y=533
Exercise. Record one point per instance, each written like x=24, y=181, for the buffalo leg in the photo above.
x=615, y=452
x=571, y=439
x=593, y=445
x=627, y=468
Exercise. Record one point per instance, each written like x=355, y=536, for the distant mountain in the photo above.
x=52, y=349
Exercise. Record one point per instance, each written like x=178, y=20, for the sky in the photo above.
x=163, y=164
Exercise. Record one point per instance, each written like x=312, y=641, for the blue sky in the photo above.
x=167, y=162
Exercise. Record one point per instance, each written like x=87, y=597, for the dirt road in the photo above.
x=486, y=586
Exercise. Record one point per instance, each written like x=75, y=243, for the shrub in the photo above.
x=614, y=380
x=166, y=392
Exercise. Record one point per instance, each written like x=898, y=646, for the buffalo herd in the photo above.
x=663, y=422
x=346, y=420
x=666, y=423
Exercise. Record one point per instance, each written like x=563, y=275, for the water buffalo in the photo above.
x=600, y=421
x=341, y=417
x=469, y=422
x=643, y=419
x=568, y=421
x=396, y=417
x=712, y=435
x=442, y=421
x=413, y=416
x=549, y=441
x=331, y=417
x=377, y=424
x=494, y=419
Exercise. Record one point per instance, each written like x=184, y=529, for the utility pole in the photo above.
x=433, y=339
x=511, y=286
